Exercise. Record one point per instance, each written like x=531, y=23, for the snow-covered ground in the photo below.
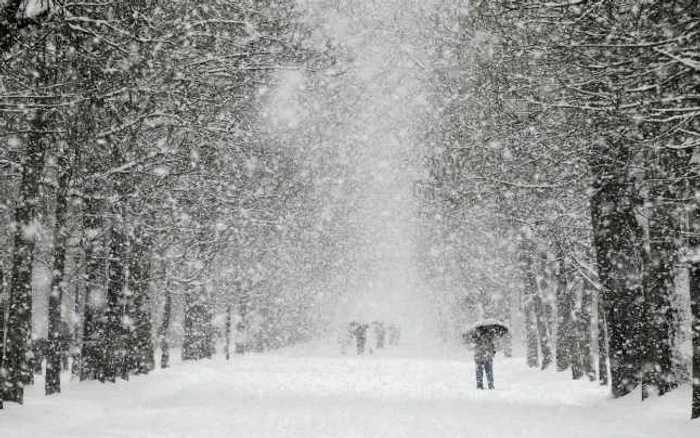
x=312, y=392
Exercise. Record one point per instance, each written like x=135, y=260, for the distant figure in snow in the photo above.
x=361, y=337
x=484, y=350
x=394, y=333
x=241, y=341
x=380, y=333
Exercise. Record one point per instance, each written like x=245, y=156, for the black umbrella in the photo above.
x=486, y=328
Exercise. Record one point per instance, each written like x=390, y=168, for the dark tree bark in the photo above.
x=543, y=314
x=113, y=339
x=616, y=237
x=76, y=331
x=55, y=329
x=189, y=342
x=602, y=344
x=542, y=330
x=566, y=336
x=93, y=243
x=198, y=342
x=228, y=332
x=576, y=365
x=18, y=366
x=529, y=291
x=141, y=342
x=532, y=356
x=584, y=333
x=661, y=318
x=695, y=323
x=575, y=347
x=694, y=286
x=3, y=308
x=164, y=326
x=91, y=354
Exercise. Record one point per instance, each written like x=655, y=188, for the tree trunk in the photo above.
x=141, y=348
x=566, y=336
x=622, y=304
x=164, y=326
x=575, y=345
x=584, y=334
x=602, y=344
x=616, y=237
x=542, y=331
x=529, y=291
x=576, y=365
x=91, y=354
x=533, y=360
x=3, y=301
x=660, y=317
x=18, y=364
x=113, y=340
x=694, y=286
x=695, y=324
x=198, y=337
x=53, y=353
x=228, y=332
x=76, y=339
x=189, y=339
x=543, y=313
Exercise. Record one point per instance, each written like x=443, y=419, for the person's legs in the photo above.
x=488, y=366
x=479, y=373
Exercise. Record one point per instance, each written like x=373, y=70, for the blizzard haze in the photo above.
x=349, y=218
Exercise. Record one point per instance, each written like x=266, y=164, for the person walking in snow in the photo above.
x=380, y=333
x=361, y=337
x=394, y=334
x=241, y=340
x=484, y=350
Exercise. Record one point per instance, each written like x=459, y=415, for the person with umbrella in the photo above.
x=483, y=335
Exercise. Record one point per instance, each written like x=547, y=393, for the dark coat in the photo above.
x=484, y=347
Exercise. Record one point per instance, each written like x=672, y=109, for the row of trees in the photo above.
x=569, y=130
x=132, y=151
x=135, y=151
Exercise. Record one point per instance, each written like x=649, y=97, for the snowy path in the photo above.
x=293, y=394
